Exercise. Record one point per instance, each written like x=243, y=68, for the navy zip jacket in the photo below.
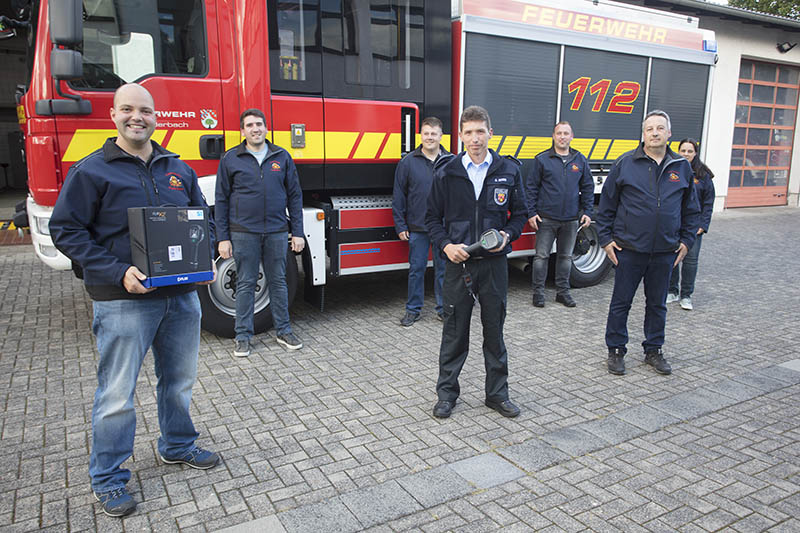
x=454, y=216
x=90, y=220
x=412, y=185
x=252, y=198
x=646, y=207
x=559, y=190
x=704, y=188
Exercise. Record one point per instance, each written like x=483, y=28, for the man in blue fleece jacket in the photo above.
x=412, y=185
x=90, y=226
x=256, y=183
x=646, y=222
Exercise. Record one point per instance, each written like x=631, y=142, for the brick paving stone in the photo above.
x=486, y=470
x=435, y=486
x=299, y=431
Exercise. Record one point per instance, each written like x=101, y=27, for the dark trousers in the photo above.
x=685, y=273
x=564, y=233
x=490, y=285
x=633, y=267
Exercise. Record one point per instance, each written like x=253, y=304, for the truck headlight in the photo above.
x=43, y=225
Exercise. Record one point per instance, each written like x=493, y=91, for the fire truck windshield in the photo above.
x=125, y=41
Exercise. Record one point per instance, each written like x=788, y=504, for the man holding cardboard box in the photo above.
x=90, y=226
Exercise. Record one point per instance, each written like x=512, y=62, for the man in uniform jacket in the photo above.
x=560, y=196
x=646, y=222
x=471, y=193
x=256, y=183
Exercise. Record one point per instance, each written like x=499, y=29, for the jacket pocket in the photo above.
x=458, y=232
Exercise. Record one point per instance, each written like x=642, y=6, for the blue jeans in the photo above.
x=125, y=329
x=633, y=267
x=250, y=250
x=565, y=232
x=418, y=245
x=688, y=271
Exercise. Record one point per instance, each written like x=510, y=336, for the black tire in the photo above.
x=589, y=262
x=218, y=300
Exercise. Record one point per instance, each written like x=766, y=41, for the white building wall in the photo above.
x=736, y=41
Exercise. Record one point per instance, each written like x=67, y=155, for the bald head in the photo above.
x=132, y=89
x=135, y=117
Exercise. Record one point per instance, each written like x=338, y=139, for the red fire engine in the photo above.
x=344, y=85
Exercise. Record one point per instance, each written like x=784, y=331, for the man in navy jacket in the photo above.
x=471, y=193
x=412, y=184
x=90, y=226
x=560, y=194
x=646, y=222
x=256, y=183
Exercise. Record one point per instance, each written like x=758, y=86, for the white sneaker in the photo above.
x=672, y=297
x=686, y=303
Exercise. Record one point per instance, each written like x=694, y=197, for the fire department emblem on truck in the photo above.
x=208, y=118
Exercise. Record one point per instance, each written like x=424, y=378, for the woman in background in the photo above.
x=686, y=271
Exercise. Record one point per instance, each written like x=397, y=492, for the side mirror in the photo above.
x=66, y=22
x=66, y=64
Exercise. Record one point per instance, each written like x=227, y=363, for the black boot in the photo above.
x=655, y=358
x=616, y=361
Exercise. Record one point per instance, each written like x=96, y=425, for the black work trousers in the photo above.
x=490, y=284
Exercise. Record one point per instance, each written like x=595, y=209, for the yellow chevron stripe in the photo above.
x=392, y=148
x=232, y=138
x=494, y=142
x=600, y=149
x=339, y=144
x=369, y=145
x=620, y=146
x=533, y=145
x=314, y=149
x=186, y=143
x=510, y=144
x=84, y=142
x=584, y=146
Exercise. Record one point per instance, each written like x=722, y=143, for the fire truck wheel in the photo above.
x=218, y=300
x=589, y=262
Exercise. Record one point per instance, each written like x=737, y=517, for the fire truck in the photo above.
x=344, y=85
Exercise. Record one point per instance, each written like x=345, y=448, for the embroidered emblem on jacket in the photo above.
x=674, y=177
x=275, y=166
x=500, y=196
x=175, y=182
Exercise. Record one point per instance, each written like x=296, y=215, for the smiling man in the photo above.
x=646, y=222
x=473, y=192
x=90, y=226
x=256, y=183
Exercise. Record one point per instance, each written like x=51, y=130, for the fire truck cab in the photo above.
x=344, y=85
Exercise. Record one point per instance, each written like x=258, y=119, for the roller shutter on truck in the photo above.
x=532, y=65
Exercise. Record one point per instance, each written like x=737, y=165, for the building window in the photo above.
x=766, y=111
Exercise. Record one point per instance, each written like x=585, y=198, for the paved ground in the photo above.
x=339, y=436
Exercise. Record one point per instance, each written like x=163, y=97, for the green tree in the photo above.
x=784, y=8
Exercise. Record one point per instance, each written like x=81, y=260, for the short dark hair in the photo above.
x=563, y=123
x=252, y=112
x=433, y=122
x=474, y=113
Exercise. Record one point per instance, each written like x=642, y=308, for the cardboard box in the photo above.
x=171, y=245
